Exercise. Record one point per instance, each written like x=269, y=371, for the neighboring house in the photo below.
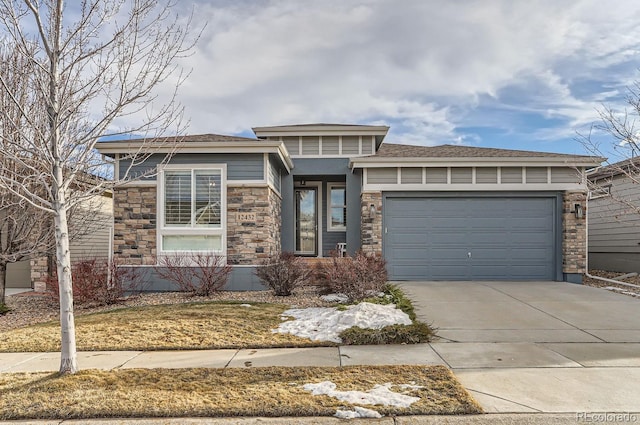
x=93, y=242
x=614, y=217
x=434, y=213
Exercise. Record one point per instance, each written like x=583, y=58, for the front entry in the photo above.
x=306, y=221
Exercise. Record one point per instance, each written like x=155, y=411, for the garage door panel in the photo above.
x=413, y=238
x=531, y=253
x=409, y=254
x=508, y=238
x=444, y=237
x=442, y=254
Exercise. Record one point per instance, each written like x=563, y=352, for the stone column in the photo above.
x=39, y=273
x=371, y=227
x=574, y=237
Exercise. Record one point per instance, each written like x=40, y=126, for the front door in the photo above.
x=306, y=221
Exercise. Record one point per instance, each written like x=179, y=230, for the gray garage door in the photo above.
x=469, y=238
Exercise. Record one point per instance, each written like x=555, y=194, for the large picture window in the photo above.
x=337, y=204
x=192, y=209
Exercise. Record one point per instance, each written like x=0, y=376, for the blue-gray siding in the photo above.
x=471, y=237
x=248, y=166
x=275, y=172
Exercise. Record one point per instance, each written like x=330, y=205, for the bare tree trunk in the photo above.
x=68, y=358
x=3, y=281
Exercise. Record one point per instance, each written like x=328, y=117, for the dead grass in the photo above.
x=164, y=327
x=273, y=391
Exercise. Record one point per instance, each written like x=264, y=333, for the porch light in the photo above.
x=372, y=211
x=578, y=211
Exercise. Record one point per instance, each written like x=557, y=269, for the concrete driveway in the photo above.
x=536, y=346
x=526, y=312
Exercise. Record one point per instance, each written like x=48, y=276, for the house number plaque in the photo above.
x=247, y=217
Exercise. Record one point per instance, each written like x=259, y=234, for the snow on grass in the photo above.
x=335, y=298
x=622, y=291
x=378, y=395
x=325, y=324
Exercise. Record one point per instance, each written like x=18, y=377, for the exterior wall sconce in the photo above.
x=578, y=211
x=372, y=211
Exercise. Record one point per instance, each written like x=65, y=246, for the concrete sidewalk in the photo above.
x=503, y=377
x=491, y=419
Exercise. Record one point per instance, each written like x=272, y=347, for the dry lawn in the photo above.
x=164, y=327
x=273, y=391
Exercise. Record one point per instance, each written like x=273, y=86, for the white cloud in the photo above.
x=422, y=67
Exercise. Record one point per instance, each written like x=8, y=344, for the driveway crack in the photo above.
x=545, y=312
x=504, y=399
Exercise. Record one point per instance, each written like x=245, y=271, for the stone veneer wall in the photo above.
x=574, y=234
x=39, y=273
x=134, y=229
x=248, y=241
x=371, y=228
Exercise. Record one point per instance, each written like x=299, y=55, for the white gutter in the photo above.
x=586, y=258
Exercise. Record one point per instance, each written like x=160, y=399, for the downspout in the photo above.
x=586, y=257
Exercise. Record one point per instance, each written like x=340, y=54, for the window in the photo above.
x=337, y=204
x=191, y=206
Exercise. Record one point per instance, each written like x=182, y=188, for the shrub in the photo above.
x=4, y=309
x=356, y=277
x=414, y=333
x=200, y=274
x=98, y=281
x=283, y=273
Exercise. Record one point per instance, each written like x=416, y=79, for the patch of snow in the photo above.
x=411, y=386
x=357, y=412
x=622, y=291
x=246, y=305
x=379, y=394
x=335, y=298
x=325, y=324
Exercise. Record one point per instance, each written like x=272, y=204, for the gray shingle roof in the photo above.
x=203, y=138
x=392, y=150
x=629, y=167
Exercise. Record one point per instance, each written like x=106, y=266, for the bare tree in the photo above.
x=616, y=137
x=25, y=230
x=101, y=64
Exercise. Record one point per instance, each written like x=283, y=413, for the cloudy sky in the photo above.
x=499, y=73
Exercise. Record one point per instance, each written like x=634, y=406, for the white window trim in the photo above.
x=161, y=230
x=331, y=186
x=600, y=191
